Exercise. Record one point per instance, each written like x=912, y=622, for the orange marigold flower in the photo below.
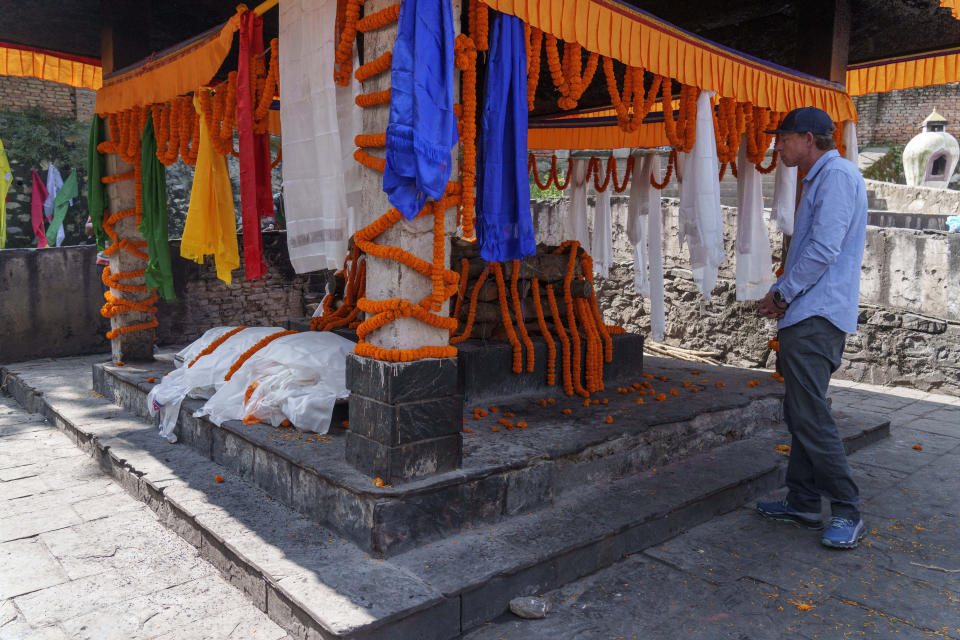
x=218, y=478
x=648, y=376
x=465, y=430
x=720, y=385
x=586, y=402
x=609, y=420
x=507, y=423
x=664, y=378
x=695, y=372
x=494, y=428
x=567, y=411
x=694, y=390
x=660, y=397
x=674, y=392
x=542, y=402
x=595, y=401
x=917, y=447
x=345, y=424
x=149, y=379
x=639, y=401
x=604, y=401
x=120, y=363
x=492, y=409
x=285, y=423
x=250, y=419
x=550, y=401
x=508, y=414
x=378, y=482
x=522, y=425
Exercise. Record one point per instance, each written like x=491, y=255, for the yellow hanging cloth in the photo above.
x=6, y=177
x=211, y=226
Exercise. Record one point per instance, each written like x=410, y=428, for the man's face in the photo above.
x=792, y=147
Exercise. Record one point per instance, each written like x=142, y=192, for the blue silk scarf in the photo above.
x=422, y=129
x=505, y=225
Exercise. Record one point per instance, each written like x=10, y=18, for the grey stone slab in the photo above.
x=273, y=474
x=399, y=382
x=529, y=488
x=234, y=453
x=236, y=624
x=947, y=427
x=125, y=539
x=395, y=464
x=872, y=480
x=150, y=615
x=27, y=566
x=897, y=452
x=394, y=424
x=37, y=522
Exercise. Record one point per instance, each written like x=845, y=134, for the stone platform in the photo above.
x=531, y=509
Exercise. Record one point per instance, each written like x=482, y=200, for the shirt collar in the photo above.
x=822, y=160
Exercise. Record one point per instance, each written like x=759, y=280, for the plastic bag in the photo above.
x=297, y=378
x=201, y=379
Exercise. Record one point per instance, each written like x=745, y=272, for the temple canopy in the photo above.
x=904, y=72
x=30, y=62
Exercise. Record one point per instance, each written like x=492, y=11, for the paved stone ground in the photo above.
x=79, y=558
x=742, y=577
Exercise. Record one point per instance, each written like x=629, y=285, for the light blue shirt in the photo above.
x=822, y=273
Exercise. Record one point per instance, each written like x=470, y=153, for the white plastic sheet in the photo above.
x=754, y=262
x=700, y=222
x=203, y=378
x=297, y=377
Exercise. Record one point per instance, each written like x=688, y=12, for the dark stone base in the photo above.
x=405, y=418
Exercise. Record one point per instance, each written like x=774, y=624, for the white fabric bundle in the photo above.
x=754, y=263
x=576, y=227
x=850, y=142
x=601, y=243
x=784, y=198
x=321, y=181
x=645, y=231
x=204, y=377
x=700, y=222
x=297, y=377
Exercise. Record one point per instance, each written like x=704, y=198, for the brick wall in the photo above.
x=895, y=116
x=18, y=94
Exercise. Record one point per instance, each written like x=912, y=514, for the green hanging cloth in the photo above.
x=61, y=202
x=96, y=191
x=153, y=221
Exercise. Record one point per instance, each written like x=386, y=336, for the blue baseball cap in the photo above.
x=804, y=119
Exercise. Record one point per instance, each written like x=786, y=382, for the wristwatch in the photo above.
x=779, y=300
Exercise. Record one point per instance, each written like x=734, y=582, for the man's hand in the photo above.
x=770, y=309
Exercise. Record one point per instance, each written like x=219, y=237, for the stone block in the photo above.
x=395, y=424
x=529, y=488
x=406, y=461
x=396, y=382
x=273, y=474
x=233, y=452
x=925, y=325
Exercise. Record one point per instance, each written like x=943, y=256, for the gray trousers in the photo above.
x=810, y=352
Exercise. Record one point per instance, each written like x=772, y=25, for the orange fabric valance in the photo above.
x=26, y=62
x=906, y=72
x=595, y=129
x=172, y=74
x=953, y=5
x=638, y=39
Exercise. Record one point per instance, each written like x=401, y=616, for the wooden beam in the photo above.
x=125, y=34
x=823, y=38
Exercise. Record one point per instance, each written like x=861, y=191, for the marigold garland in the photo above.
x=671, y=162
x=379, y=19
x=472, y=310
x=564, y=343
x=343, y=58
x=572, y=246
x=534, y=39
x=462, y=288
x=551, y=349
x=210, y=348
x=252, y=350
x=378, y=66
x=505, y=316
x=518, y=311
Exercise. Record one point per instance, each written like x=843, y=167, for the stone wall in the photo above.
x=18, y=94
x=909, y=330
x=907, y=199
x=205, y=302
x=51, y=299
x=19, y=198
x=895, y=116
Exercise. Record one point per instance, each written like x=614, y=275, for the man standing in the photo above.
x=815, y=302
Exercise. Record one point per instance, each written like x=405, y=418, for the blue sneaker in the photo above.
x=782, y=510
x=843, y=533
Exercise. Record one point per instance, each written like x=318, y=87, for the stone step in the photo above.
x=504, y=472
x=316, y=584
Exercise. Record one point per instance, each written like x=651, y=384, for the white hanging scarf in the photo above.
x=601, y=243
x=784, y=198
x=701, y=225
x=576, y=227
x=754, y=263
x=852, y=153
x=645, y=231
x=320, y=119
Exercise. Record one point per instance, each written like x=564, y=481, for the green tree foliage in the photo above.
x=889, y=168
x=33, y=137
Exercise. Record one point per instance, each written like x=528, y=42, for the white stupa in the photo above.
x=931, y=156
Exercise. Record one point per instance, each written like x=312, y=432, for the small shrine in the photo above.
x=931, y=156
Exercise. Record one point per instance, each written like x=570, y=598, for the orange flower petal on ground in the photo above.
x=660, y=397
x=218, y=478
x=917, y=447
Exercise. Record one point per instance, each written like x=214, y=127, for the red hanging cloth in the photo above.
x=256, y=196
x=36, y=209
